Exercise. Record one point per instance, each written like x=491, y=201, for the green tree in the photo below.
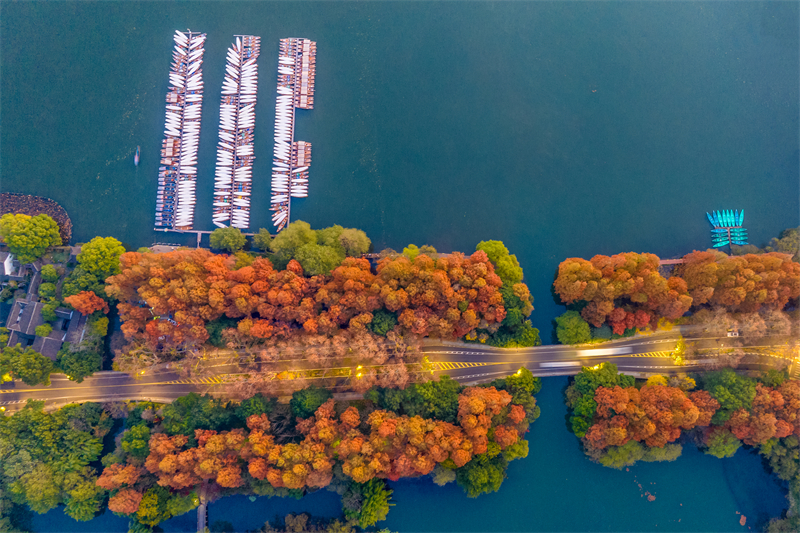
x=293, y=237
x=193, y=411
x=28, y=365
x=49, y=273
x=669, y=452
x=78, y=364
x=255, y=405
x=773, y=378
x=28, y=238
x=153, y=507
x=243, y=259
x=215, y=329
x=317, y=259
x=603, y=332
x=783, y=456
x=482, y=475
x=376, y=502
x=518, y=450
x=44, y=330
x=505, y=265
x=306, y=401
x=45, y=457
x=355, y=242
x=731, y=390
x=228, y=239
x=81, y=280
x=47, y=290
x=621, y=456
x=83, y=496
x=98, y=325
x=411, y=251
x=383, y=322
x=49, y=310
x=787, y=243
x=602, y=375
x=434, y=400
x=136, y=441
x=442, y=476
x=100, y=257
x=722, y=443
x=330, y=237
x=178, y=505
x=522, y=385
x=572, y=328
x=367, y=503
x=262, y=239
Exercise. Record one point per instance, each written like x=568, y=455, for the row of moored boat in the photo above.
x=296, y=72
x=234, y=173
x=234, y=170
x=178, y=171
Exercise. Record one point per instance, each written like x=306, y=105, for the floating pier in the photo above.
x=728, y=228
x=177, y=174
x=234, y=173
x=296, y=72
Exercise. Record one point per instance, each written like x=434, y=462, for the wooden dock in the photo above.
x=199, y=233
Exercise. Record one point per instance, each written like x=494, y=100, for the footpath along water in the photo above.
x=563, y=129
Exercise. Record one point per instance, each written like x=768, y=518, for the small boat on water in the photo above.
x=136, y=157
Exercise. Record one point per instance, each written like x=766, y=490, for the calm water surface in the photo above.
x=563, y=129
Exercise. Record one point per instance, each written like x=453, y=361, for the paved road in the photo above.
x=468, y=363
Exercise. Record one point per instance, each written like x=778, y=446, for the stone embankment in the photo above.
x=36, y=205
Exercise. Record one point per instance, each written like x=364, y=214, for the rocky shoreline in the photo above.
x=35, y=205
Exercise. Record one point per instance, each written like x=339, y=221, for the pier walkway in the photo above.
x=296, y=72
x=177, y=174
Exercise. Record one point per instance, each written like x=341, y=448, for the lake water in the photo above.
x=563, y=129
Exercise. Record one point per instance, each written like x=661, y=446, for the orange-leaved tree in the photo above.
x=744, y=283
x=87, y=302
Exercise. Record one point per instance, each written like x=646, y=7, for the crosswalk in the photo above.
x=651, y=354
x=214, y=380
x=438, y=366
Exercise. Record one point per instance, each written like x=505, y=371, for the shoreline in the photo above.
x=29, y=204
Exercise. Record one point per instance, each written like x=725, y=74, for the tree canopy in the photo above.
x=228, y=239
x=262, y=239
x=317, y=259
x=28, y=238
x=46, y=457
x=731, y=390
x=294, y=236
x=506, y=265
x=572, y=328
x=100, y=257
x=27, y=365
x=49, y=273
x=306, y=401
x=78, y=364
x=80, y=280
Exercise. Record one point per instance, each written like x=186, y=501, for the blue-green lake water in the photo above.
x=564, y=129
